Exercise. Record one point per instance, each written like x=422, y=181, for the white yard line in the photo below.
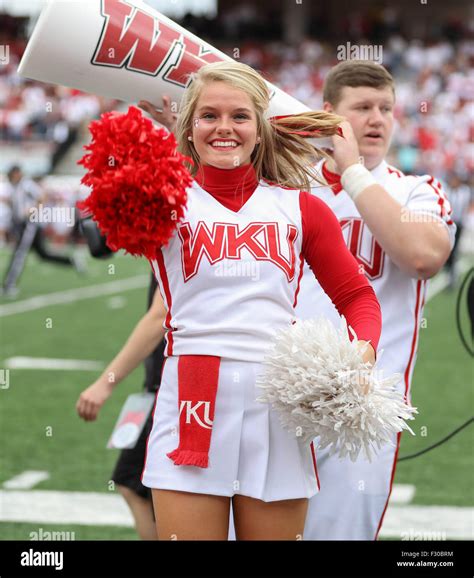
x=50, y=507
x=428, y=523
x=26, y=480
x=402, y=494
x=73, y=295
x=101, y=509
x=116, y=302
x=50, y=363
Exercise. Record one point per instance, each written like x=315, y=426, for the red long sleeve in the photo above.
x=337, y=271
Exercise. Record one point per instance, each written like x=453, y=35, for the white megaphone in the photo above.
x=122, y=49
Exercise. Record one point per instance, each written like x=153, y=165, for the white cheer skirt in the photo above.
x=250, y=452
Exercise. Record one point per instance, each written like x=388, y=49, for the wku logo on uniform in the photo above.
x=226, y=241
x=133, y=38
x=356, y=230
x=191, y=411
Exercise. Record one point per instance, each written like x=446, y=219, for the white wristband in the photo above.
x=355, y=179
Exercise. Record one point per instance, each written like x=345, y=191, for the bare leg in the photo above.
x=258, y=520
x=188, y=516
x=142, y=511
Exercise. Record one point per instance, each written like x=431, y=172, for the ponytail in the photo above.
x=286, y=156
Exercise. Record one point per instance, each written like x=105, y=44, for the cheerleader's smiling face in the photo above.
x=224, y=129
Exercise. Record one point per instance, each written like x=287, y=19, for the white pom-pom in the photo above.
x=316, y=379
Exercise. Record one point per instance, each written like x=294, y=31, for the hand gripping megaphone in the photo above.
x=122, y=49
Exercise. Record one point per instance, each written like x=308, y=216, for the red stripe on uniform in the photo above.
x=391, y=485
x=166, y=288
x=408, y=369
x=444, y=211
x=446, y=204
x=418, y=308
x=299, y=279
x=313, y=453
x=396, y=171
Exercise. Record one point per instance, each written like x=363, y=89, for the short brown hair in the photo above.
x=355, y=73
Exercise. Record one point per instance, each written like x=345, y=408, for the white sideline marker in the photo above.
x=432, y=522
x=50, y=363
x=117, y=302
x=51, y=507
x=73, y=295
x=26, y=480
x=402, y=493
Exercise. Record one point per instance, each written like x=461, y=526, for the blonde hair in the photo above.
x=284, y=156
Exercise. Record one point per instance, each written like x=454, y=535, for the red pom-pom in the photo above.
x=138, y=182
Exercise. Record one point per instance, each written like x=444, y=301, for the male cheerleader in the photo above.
x=399, y=228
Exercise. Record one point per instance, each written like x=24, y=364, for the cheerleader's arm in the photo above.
x=337, y=271
x=143, y=340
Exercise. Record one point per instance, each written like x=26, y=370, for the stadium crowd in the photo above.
x=34, y=114
x=34, y=111
x=434, y=109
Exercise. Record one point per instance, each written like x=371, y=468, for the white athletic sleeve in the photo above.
x=427, y=197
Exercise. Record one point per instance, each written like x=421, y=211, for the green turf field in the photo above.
x=41, y=431
x=442, y=389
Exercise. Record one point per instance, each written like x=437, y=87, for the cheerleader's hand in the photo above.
x=92, y=399
x=363, y=379
x=369, y=354
x=165, y=117
x=346, y=150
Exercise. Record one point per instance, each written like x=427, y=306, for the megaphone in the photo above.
x=122, y=49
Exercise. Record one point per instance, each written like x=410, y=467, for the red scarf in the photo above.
x=198, y=375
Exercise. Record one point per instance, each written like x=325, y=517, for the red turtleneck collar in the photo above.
x=332, y=179
x=231, y=187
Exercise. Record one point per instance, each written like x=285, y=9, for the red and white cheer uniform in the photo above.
x=354, y=496
x=230, y=278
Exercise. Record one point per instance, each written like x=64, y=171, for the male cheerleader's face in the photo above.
x=370, y=112
x=224, y=130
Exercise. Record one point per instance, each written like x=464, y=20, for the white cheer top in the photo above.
x=401, y=297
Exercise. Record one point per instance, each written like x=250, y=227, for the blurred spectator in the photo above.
x=36, y=113
x=460, y=197
x=5, y=212
x=28, y=216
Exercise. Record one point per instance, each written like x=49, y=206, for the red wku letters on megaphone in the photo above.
x=130, y=39
x=122, y=49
